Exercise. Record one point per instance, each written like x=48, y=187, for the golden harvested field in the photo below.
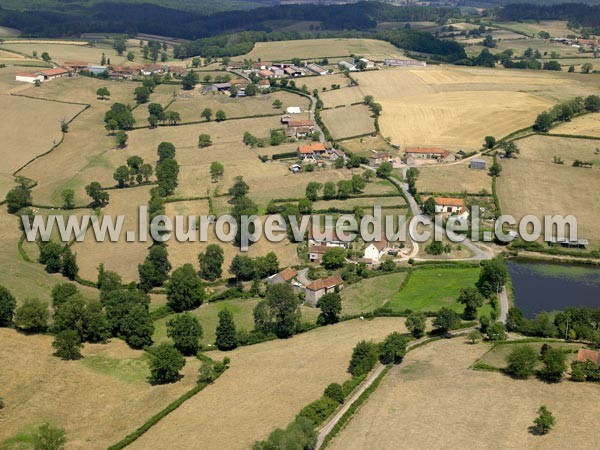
x=30, y=128
x=322, y=48
x=191, y=108
x=324, y=81
x=338, y=97
x=61, y=51
x=520, y=45
x=533, y=184
x=434, y=400
x=96, y=404
x=265, y=387
x=556, y=28
x=349, y=121
x=367, y=144
x=367, y=202
x=588, y=125
x=454, y=178
x=122, y=257
x=87, y=152
x=457, y=107
x=9, y=32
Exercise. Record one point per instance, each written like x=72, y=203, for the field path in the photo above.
x=503, y=305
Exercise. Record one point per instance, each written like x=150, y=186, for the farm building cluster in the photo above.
x=73, y=68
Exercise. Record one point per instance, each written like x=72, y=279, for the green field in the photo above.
x=496, y=356
x=129, y=369
x=431, y=289
x=371, y=293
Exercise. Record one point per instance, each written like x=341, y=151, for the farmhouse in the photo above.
x=266, y=73
x=376, y=159
x=57, y=72
x=121, y=72
x=317, y=289
x=311, y=150
x=449, y=205
x=261, y=65
x=393, y=62
x=151, y=69
x=29, y=77
x=220, y=87
x=293, y=71
x=232, y=65
x=347, y=66
x=285, y=276
x=277, y=71
x=329, y=238
x=589, y=42
x=76, y=66
x=336, y=153
x=584, y=355
x=375, y=250
x=368, y=63
x=263, y=84
x=478, y=163
x=315, y=252
x=425, y=153
x=316, y=69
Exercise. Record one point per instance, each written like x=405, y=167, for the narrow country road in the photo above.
x=503, y=305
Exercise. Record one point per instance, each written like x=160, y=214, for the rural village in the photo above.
x=442, y=113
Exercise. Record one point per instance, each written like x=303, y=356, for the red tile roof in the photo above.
x=55, y=71
x=288, y=273
x=446, y=201
x=319, y=249
x=418, y=150
x=312, y=148
x=301, y=123
x=588, y=355
x=325, y=283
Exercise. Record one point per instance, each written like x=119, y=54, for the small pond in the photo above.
x=545, y=286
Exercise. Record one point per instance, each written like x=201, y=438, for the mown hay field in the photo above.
x=520, y=45
x=97, y=400
x=191, y=108
x=457, y=107
x=371, y=293
x=349, y=121
x=265, y=387
x=338, y=97
x=454, y=178
x=587, y=125
x=533, y=184
x=72, y=51
x=434, y=400
x=322, y=48
x=30, y=128
x=323, y=81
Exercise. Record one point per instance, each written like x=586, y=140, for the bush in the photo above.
x=49, y=437
x=335, y=392
x=555, y=364
x=393, y=348
x=319, y=410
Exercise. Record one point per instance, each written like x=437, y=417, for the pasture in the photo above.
x=207, y=315
x=323, y=82
x=454, y=178
x=496, y=356
x=457, y=107
x=371, y=293
x=38, y=122
x=529, y=184
x=316, y=49
x=349, y=121
x=265, y=387
x=97, y=401
x=434, y=400
x=429, y=289
x=520, y=45
x=587, y=125
x=341, y=97
x=191, y=108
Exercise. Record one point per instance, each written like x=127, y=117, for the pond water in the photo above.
x=543, y=286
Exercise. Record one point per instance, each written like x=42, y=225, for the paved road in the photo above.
x=323, y=432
